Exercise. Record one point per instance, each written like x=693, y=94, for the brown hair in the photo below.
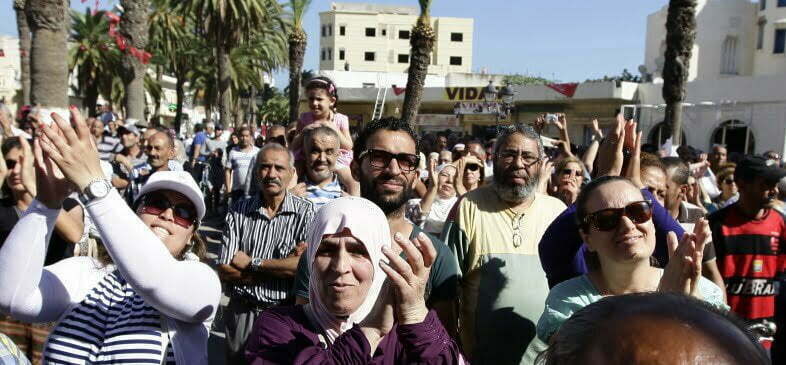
x=197, y=246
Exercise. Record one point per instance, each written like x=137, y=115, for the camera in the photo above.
x=551, y=118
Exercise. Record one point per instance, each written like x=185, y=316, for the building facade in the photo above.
x=375, y=38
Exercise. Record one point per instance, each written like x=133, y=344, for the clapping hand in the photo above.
x=408, y=277
x=683, y=272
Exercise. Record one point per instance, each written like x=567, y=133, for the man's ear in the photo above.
x=354, y=168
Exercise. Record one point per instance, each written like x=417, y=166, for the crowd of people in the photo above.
x=384, y=246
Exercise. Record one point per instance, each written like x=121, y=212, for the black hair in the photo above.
x=9, y=144
x=387, y=124
x=681, y=171
x=324, y=83
x=572, y=343
x=586, y=192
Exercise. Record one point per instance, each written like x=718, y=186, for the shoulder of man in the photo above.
x=300, y=204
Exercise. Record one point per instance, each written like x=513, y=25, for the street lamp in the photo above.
x=490, y=92
x=507, y=94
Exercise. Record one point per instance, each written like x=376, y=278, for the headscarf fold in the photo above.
x=368, y=224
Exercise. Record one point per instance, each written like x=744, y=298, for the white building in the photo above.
x=736, y=94
x=9, y=70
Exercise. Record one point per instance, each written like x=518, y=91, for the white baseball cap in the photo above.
x=179, y=181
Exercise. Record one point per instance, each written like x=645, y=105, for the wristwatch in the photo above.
x=256, y=264
x=96, y=189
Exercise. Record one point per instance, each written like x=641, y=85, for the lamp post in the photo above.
x=491, y=95
x=507, y=94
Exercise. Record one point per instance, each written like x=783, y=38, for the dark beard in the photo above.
x=368, y=190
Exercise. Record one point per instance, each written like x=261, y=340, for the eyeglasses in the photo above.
x=10, y=164
x=155, y=204
x=572, y=172
x=608, y=219
x=472, y=167
x=381, y=159
x=510, y=156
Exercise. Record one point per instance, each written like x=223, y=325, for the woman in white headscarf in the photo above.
x=355, y=315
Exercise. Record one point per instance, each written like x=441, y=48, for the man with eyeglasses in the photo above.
x=494, y=236
x=385, y=164
x=750, y=243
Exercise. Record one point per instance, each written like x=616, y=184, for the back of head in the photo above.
x=662, y=328
x=676, y=169
x=384, y=124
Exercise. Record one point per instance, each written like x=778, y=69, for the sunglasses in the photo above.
x=381, y=159
x=608, y=219
x=10, y=164
x=728, y=181
x=472, y=167
x=155, y=204
x=572, y=172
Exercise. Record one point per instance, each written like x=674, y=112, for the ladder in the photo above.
x=382, y=92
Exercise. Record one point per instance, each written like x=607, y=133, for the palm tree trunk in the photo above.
x=48, y=53
x=91, y=97
x=24, y=48
x=224, y=83
x=180, y=90
x=680, y=34
x=253, y=107
x=297, y=49
x=134, y=27
x=422, y=42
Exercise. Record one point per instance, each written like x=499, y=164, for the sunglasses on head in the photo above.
x=10, y=164
x=381, y=159
x=608, y=219
x=472, y=167
x=156, y=203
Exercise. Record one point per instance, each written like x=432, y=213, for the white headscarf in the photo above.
x=368, y=224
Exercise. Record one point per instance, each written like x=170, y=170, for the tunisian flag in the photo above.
x=565, y=89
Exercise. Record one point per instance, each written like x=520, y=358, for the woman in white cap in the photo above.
x=366, y=303
x=150, y=301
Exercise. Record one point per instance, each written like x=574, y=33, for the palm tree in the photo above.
x=297, y=50
x=228, y=23
x=174, y=48
x=48, y=57
x=422, y=42
x=24, y=48
x=93, y=57
x=134, y=27
x=680, y=34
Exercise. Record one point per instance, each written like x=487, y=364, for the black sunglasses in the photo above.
x=569, y=171
x=381, y=159
x=472, y=167
x=608, y=219
x=156, y=203
x=728, y=181
x=10, y=164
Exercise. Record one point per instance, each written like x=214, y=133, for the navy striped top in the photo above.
x=112, y=325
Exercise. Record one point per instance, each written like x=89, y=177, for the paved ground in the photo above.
x=211, y=230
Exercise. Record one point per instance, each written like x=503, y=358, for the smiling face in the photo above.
x=319, y=102
x=445, y=187
x=321, y=151
x=174, y=236
x=628, y=242
x=159, y=150
x=345, y=270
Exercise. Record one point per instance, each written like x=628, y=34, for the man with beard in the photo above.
x=750, y=245
x=321, y=185
x=494, y=235
x=385, y=164
x=238, y=163
x=262, y=241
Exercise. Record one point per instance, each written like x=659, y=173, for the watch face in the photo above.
x=99, y=189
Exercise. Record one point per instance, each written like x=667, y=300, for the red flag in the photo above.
x=568, y=89
x=398, y=90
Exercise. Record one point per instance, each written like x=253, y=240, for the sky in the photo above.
x=566, y=40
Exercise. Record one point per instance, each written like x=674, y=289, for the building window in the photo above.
x=324, y=31
x=781, y=3
x=457, y=37
x=384, y=32
x=403, y=58
x=330, y=30
x=455, y=61
x=780, y=41
x=729, y=56
x=762, y=4
x=371, y=32
x=342, y=30
x=341, y=54
x=760, y=35
x=369, y=56
x=322, y=56
x=736, y=136
x=403, y=34
x=330, y=54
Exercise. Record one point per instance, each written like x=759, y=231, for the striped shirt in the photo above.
x=249, y=229
x=321, y=195
x=112, y=325
x=108, y=146
x=240, y=163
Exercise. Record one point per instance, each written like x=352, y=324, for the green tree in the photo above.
x=48, y=53
x=517, y=79
x=422, y=42
x=174, y=46
x=680, y=34
x=297, y=50
x=275, y=108
x=228, y=23
x=93, y=57
x=23, y=28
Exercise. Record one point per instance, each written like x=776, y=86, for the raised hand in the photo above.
x=683, y=272
x=545, y=168
x=610, y=157
x=73, y=149
x=408, y=277
x=596, y=130
x=53, y=187
x=432, y=173
x=633, y=171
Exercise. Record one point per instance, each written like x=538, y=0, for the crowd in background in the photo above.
x=383, y=245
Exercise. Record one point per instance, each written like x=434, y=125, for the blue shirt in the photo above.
x=200, y=139
x=561, y=249
x=323, y=195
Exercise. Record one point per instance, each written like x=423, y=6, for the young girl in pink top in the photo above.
x=322, y=98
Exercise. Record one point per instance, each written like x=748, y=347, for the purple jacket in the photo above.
x=284, y=335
